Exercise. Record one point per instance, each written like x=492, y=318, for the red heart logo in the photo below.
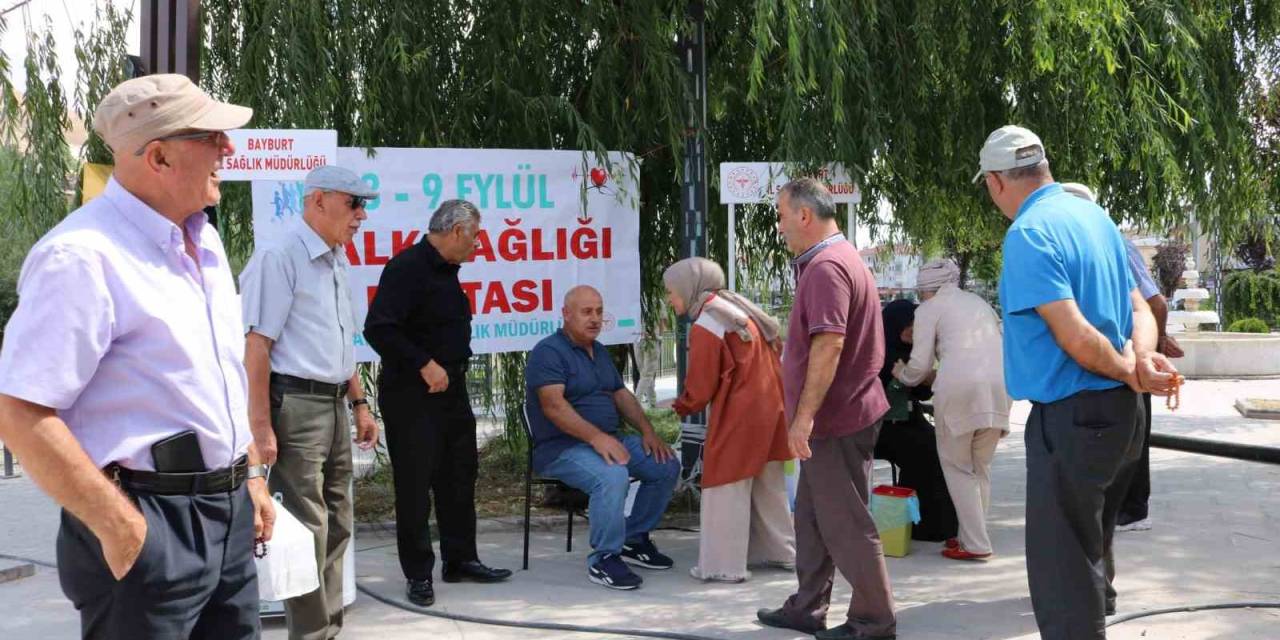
x=598, y=177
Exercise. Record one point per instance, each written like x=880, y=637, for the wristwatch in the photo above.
x=359, y=401
x=258, y=471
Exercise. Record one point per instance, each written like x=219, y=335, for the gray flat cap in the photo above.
x=334, y=178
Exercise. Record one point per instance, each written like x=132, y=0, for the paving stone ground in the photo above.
x=1217, y=524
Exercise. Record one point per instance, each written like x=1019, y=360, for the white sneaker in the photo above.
x=1137, y=525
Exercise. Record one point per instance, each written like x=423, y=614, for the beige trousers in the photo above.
x=746, y=522
x=966, y=465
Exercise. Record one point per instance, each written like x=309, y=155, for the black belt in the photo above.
x=309, y=387
x=181, y=484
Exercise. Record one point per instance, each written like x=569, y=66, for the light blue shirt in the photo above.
x=1138, y=269
x=1060, y=247
x=127, y=336
x=294, y=291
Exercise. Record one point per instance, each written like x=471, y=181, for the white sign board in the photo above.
x=551, y=220
x=759, y=182
x=278, y=154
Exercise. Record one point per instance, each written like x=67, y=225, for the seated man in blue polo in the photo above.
x=574, y=397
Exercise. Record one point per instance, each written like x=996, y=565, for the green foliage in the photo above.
x=35, y=166
x=1246, y=294
x=1249, y=325
x=1148, y=102
x=101, y=56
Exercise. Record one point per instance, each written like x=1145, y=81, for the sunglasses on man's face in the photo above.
x=357, y=202
x=213, y=137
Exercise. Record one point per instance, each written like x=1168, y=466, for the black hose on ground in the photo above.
x=543, y=626
x=1192, y=609
x=672, y=635
x=1218, y=448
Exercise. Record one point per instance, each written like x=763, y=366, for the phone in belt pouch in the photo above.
x=178, y=453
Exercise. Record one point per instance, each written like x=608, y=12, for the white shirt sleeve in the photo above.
x=266, y=293
x=61, y=329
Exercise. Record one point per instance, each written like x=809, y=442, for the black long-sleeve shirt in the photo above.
x=419, y=314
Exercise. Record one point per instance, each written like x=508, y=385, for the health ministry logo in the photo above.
x=744, y=183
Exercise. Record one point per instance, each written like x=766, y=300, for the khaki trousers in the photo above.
x=313, y=473
x=747, y=522
x=966, y=464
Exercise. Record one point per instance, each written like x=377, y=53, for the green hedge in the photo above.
x=1246, y=294
x=1249, y=325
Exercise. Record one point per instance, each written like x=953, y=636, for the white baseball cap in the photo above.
x=1080, y=191
x=1009, y=147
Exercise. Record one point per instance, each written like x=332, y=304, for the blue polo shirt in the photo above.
x=588, y=382
x=1060, y=247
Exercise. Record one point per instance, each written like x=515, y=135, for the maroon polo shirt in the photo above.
x=836, y=293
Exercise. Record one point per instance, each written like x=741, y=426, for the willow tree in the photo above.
x=1146, y=100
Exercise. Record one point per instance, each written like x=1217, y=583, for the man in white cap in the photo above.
x=300, y=357
x=1080, y=344
x=122, y=388
x=1134, y=514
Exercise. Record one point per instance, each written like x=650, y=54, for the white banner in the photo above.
x=551, y=220
x=759, y=182
x=278, y=154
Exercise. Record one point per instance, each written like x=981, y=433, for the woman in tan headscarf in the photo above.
x=734, y=368
x=971, y=408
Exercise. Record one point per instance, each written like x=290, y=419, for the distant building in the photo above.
x=895, y=268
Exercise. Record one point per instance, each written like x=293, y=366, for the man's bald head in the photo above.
x=583, y=314
x=581, y=291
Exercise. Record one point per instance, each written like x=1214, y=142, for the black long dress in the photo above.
x=907, y=437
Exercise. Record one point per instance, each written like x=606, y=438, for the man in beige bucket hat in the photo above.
x=122, y=387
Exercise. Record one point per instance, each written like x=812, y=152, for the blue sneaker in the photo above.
x=611, y=572
x=645, y=554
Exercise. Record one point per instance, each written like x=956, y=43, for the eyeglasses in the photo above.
x=213, y=137
x=357, y=202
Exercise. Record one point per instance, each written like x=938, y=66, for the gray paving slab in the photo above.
x=1216, y=525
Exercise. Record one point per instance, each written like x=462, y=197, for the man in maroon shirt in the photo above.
x=833, y=353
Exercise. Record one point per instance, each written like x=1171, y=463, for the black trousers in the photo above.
x=194, y=578
x=432, y=441
x=1081, y=453
x=1134, y=507
x=912, y=446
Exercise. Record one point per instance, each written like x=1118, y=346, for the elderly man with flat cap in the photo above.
x=300, y=357
x=122, y=388
x=1080, y=344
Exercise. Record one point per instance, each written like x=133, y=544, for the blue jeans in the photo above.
x=582, y=468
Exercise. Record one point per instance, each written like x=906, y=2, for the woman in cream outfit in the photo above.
x=971, y=408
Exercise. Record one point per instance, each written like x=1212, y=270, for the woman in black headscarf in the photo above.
x=907, y=439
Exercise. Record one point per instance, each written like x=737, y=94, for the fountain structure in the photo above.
x=1216, y=354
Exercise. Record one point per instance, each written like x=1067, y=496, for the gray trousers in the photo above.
x=834, y=530
x=313, y=476
x=1081, y=454
x=194, y=577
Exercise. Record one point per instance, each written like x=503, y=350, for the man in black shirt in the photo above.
x=419, y=322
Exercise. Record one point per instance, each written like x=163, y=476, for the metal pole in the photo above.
x=171, y=37
x=733, y=247
x=8, y=464
x=853, y=230
x=693, y=194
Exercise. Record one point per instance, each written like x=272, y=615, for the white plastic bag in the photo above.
x=289, y=567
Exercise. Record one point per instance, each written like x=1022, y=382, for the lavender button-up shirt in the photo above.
x=127, y=337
